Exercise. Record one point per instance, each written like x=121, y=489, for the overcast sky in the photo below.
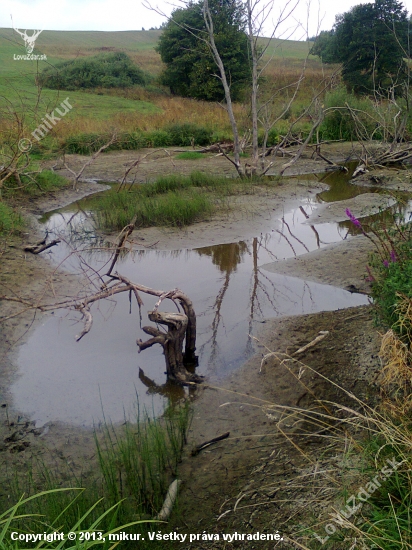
x=121, y=15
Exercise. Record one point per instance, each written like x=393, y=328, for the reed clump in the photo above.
x=126, y=485
x=173, y=200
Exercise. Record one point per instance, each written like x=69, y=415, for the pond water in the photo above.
x=102, y=374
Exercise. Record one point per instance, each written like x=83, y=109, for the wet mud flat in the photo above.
x=263, y=477
x=349, y=353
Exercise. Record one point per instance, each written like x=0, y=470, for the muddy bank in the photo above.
x=361, y=206
x=111, y=166
x=386, y=178
x=255, y=458
x=260, y=478
x=342, y=264
x=33, y=277
x=243, y=217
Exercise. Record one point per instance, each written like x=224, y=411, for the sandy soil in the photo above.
x=256, y=464
x=360, y=206
x=346, y=267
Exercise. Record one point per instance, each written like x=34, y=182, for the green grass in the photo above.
x=190, y=155
x=136, y=463
x=389, y=522
x=11, y=220
x=173, y=200
x=144, y=456
x=86, y=537
x=392, y=279
x=34, y=185
x=115, y=210
x=288, y=49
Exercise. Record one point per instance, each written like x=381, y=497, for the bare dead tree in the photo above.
x=257, y=13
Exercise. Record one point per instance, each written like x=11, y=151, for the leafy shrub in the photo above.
x=178, y=134
x=339, y=124
x=129, y=141
x=183, y=134
x=159, y=138
x=112, y=70
x=392, y=282
x=85, y=144
x=273, y=137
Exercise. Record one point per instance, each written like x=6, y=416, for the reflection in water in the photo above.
x=225, y=256
x=68, y=381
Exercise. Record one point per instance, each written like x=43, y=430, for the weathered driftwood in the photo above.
x=41, y=246
x=360, y=170
x=172, y=343
x=171, y=495
x=393, y=157
x=206, y=444
x=181, y=326
x=322, y=335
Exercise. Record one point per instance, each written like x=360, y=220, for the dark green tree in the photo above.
x=325, y=47
x=371, y=42
x=183, y=46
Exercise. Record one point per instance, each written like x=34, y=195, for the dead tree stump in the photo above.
x=172, y=343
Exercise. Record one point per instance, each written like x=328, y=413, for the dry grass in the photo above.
x=173, y=110
x=282, y=73
x=396, y=355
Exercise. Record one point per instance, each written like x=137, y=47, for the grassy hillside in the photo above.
x=139, y=45
x=133, y=109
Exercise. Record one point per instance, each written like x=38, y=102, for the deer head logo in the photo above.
x=29, y=40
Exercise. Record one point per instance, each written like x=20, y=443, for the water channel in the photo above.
x=61, y=380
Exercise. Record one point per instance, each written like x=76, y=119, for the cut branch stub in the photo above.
x=172, y=343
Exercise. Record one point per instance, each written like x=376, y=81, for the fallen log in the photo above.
x=40, y=247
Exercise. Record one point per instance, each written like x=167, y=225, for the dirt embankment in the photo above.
x=263, y=476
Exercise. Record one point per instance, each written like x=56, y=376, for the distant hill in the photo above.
x=139, y=45
x=18, y=77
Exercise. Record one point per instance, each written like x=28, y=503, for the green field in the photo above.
x=132, y=109
x=17, y=78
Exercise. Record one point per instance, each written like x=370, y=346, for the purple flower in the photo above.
x=352, y=218
x=385, y=263
x=393, y=256
x=370, y=278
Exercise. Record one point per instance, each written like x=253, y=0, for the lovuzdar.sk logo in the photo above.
x=29, y=42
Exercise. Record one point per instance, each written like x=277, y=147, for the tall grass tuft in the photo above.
x=135, y=465
x=138, y=462
x=11, y=220
x=115, y=210
x=34, y=185
x=172, y=200
x=89, y=532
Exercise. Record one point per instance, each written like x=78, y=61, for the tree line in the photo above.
x=371, y=41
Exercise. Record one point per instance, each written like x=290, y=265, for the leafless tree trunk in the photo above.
x=229, y=105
